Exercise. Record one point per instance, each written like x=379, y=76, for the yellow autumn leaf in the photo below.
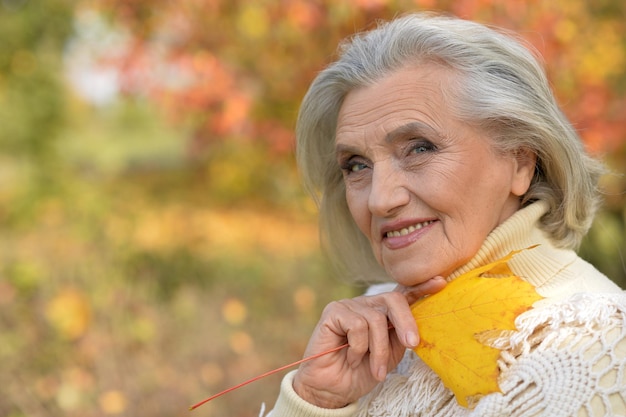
x=452, y=323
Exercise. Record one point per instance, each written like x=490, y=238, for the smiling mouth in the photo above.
x=407, y=230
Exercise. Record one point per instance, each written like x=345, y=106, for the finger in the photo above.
x=374, y=313
x=418, y=291
x=402, y=319
x=396, y=308
x=366, y=329
x=357, y=334
x=378, y=350
x=379, y=345
x=347, y=323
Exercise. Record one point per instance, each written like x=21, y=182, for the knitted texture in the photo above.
x=566, y=359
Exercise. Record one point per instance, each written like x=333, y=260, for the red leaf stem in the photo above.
x=256, y=378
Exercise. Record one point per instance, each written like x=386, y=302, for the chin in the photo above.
x=411, y=278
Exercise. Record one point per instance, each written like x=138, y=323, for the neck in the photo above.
x=520, y=231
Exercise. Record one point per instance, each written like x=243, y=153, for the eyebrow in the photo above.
x=397, y=134
x=410, y=129
x=342, y=149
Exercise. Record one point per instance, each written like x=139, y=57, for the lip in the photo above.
x=398, y=242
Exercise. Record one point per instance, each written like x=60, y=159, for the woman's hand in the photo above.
x=378, y=329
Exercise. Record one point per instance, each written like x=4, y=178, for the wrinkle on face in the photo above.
x=455, y=178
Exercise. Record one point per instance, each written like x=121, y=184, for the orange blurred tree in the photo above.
x=238, y=69
x=234, y=71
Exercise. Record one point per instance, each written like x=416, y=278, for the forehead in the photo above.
x=411, y=94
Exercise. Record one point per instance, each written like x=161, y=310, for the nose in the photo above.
x=388, y=191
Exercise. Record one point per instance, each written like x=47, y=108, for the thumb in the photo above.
x=415, y=292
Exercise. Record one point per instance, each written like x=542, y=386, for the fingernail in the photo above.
x=412, y=339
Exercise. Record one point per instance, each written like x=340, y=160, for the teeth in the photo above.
x=406, y=230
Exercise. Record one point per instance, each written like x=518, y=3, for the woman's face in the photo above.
x=425, y=188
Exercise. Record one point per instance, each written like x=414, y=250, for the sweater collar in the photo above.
x=538, y=265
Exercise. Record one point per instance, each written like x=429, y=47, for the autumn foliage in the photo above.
x=160, y=248
x=233, y=68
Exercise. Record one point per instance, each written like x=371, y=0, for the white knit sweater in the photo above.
x=567, y=358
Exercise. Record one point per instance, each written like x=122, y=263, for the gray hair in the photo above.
x=502, y=89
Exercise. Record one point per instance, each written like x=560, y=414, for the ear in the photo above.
x=525, y=160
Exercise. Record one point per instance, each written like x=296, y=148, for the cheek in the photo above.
x=481, y=207
x=357, y=205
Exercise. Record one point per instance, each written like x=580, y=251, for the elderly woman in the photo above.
x=434, y=146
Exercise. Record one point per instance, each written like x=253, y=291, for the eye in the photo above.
x=353, y=165
x=421, y=146
x=420, y=149
x=357, y=167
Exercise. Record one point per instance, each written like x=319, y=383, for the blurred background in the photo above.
x=155, y=244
